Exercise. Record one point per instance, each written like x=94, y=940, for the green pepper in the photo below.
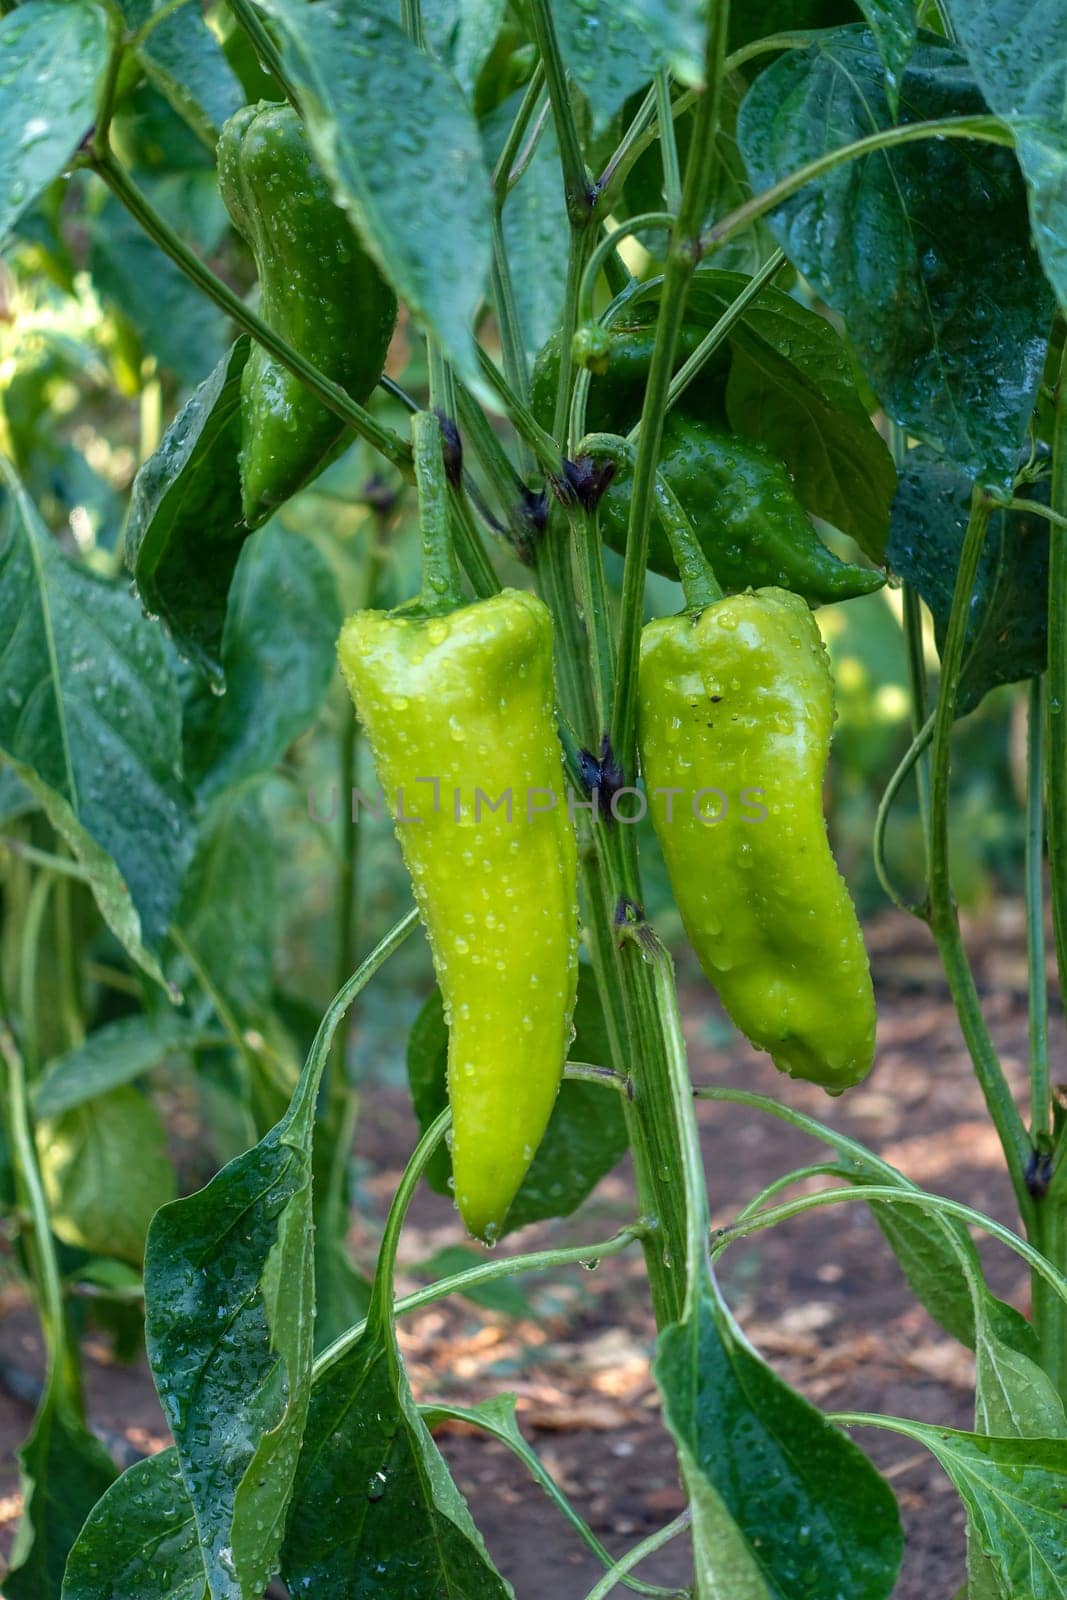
x=737, y=493
x=318, y=289
x=745, y=513
x=460, y=714
x=735, y=710
x=617, y=389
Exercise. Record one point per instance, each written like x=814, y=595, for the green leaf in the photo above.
x=113, y=1055
x=63, y=1471
x=952, y=327
x=1018, y=53
x=418, y=195
x=174, y=320
x=227, y=910
x=1014, y=1398
x=607, y=53
x=586, y=1134
x=373, y=1495
x=894, y=28
x=1006, y=632
x=139, y=1539
x=791, y=387
x=278, y=658
x=674, y=31
x=54, y=54
x=462, y=34
x=535, y=243
x=785, y=1507
x=106, y=1173
x=185, y=528
x=90, y=719
x=229, y=1310
x=535, y=229
x=182, y=57
x=1013, y=1493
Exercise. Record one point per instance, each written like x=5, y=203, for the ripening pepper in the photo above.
x=745, y=514
x=318, y=289
x=735, y=711
x=460, y=714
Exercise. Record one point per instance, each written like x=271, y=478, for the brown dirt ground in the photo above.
x=821, y=1297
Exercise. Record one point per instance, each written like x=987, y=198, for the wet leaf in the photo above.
x=139, y=1539
x=1018, y=53
x=90, y=719
x=952, y=327
x=1006, y=634
x=63, y=1470
x=61, y=48
x=373, y=1495
x=418, y=192
x=785, y=1506
x=185, y=528
x=282, y=620
x=1013, y=1492
x=184, y=60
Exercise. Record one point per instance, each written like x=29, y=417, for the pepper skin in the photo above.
x=318, y=289
x=737, y=700
x=740, y=499
x=469, y=699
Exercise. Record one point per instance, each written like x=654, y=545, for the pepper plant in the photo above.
x=727, y=289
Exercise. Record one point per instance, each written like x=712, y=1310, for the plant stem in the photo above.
x=682, y=259
x=672, y=177
x=976, y=127
x=46, y=1267
x=1057, y=681
x=715, y=336
x=913, y=639
x=639, y=1553
x=942, y=914
x=1037, y=984
x=909, y=762
x=643, y=131
x=1050, y=1317
x=891, y=1195
x=516, y=134
x=472, y=1277
x=441, y=590
x=437, y=1411
x=264, y=45
x=576, y=185
x=331, y=394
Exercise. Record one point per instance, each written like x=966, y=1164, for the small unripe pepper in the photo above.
x=745, y=513
x=459, y=710
x=318, y=289
x=735, y=710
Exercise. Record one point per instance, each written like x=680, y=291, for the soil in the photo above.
x=821, y=1296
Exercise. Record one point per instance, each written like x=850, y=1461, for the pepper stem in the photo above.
x=699, y=583
x=441, y=591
